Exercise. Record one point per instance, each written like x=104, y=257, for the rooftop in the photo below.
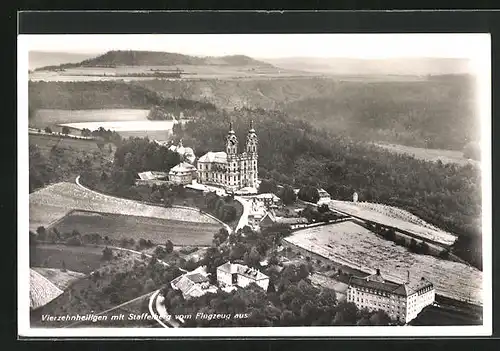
x=183, y=167
x=243, y=270
x=152, y=175
x=217, y=157
x=377, y=282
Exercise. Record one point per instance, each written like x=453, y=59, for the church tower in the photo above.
x=231, y=178
x=252, y=144
x=231, y=142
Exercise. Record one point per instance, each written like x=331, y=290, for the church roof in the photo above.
x=217, y=157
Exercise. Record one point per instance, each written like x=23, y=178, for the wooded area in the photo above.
x=293, y=152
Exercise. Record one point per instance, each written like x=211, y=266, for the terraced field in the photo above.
x=52, y=203
x=157, y=230
x=42, y=291
x=59, y=278
x=355, y=246
x=394, y=217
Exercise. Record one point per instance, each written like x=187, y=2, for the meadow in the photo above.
x=51, y=117
x=395, y=217
x=431, y=155
x=52, y=203
x=357, y=247
x=157, y=230
x=45, y=142
x=80, y=259
x=60, y=278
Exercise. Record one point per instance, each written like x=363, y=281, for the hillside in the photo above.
x=436, y=112
x=38, y=59
x=42, y=291
x=117, y=58
x=355, y=66
x=292, y=152
x=105, y=95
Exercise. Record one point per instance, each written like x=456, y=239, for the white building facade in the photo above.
x=234, y=274
x=402, y=302
x=184, y=173
x=230, y=169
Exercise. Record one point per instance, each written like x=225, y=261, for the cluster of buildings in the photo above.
x=230, y=276
x=401, y=302
x=231, y=169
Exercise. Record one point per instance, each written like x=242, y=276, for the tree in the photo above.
x=42, y=233
x=380, y=318
x=160, y=252
x=309, y=194
x=107, y=254
x=85, y=132
x=268, y=186
x=48, y=130
x=287, y=195
x=65, y=130
x=323, y=208
x=169, y=247
x=423, y=248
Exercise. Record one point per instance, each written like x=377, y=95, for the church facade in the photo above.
x=230, y=169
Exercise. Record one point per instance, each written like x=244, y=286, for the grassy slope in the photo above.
x=81, y=259
x=58, y=277
x=122, y=279
x=155, y=229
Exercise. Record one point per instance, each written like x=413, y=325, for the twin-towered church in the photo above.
x=230, y=169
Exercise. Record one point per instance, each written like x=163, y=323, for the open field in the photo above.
x=42, y=291
x=157, y=230
x=45, y=142
x=59, y=278
x=394, y=217
x=124, y=126
x=120, y=280
x=432, y=155
x=55, y=201
x=51, y=117
x=357, y=247
x=81, y=259
x=189, y=72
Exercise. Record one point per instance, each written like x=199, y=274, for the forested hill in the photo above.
x=292, y=152
x=438, y=113
x=434, y=112
x=106, y=94
x=155, y=58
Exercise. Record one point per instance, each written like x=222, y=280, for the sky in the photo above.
x=470, y=46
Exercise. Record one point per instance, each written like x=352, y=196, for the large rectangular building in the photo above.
x=402, y=302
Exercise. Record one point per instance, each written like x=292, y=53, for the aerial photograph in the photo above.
x=194, y=181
